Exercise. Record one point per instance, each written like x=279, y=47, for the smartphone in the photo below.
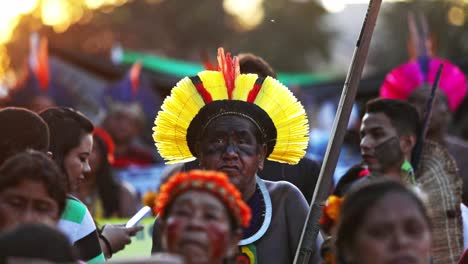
x=138, y=216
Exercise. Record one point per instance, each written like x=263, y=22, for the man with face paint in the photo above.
x=389, y=131
x=388, y=135
x=232, y=122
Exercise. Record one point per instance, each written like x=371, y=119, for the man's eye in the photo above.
x=182, y=212
x=218, y=141
x=378, y=232
x=43, y=207
x=211, y=216
x=243, y=141
x=14, y=202
x=379, y=134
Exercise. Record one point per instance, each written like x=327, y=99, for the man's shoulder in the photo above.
x=274, y=186
x=284, y=190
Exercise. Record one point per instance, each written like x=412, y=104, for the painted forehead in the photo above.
x=231, y=124
x=203, y=198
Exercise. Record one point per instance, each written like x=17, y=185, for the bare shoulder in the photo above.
x=284, y=189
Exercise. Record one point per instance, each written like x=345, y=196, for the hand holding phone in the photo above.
x=138, y=216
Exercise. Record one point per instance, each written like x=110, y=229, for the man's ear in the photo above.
x=407, y=143
x=261, y=156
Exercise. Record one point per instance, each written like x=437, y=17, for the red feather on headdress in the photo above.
x=135, y=77
x=206, y=61
x=39, y=61
x=230, y=68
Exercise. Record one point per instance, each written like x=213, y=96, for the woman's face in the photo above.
x=27, y=202
x=393, y=231
x=76, y=161
x=198, y=228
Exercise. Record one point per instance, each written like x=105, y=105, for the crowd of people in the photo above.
x=240, y=191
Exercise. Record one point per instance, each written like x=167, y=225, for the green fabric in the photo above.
x=407, y=172
x=181, y=69
x=250, y=251
x=98, y=259
x=74, y=211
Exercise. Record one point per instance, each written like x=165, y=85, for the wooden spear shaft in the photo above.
x=348, y=95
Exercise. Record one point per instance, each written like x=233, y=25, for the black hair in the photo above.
x=250, y=63
x=108, y=187
x=423, y=92
x=21, y=130
x=403, y=116
x=36, y=242
x=35, y=166
x=350, y=177
x=66, y=126
x=358, y=202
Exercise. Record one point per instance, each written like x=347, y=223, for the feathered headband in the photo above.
x=422, y=69
x=197, y=100
x=216, y=183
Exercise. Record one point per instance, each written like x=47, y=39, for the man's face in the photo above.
x=380, y=143
x=229, y=145
x=440, y=116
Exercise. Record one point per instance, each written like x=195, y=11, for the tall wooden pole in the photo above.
x=311, y=228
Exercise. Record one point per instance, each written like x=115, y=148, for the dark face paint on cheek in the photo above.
x=218, y=235
x=389, y=153
x=174, y=232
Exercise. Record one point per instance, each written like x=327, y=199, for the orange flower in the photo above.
x=332, y=206
x=149, y=198
x=330, y=212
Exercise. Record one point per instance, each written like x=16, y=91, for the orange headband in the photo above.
x=213, y=182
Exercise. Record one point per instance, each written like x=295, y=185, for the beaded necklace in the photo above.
x=260, y=204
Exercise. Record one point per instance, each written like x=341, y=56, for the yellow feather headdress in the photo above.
x=265, y=101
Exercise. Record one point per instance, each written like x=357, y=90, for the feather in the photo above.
x=289, y=118
x=206, y=61
x=404, y=79
x=416, y=157
x=134, y=76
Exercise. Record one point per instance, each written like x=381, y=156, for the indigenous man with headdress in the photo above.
x=306, y=171
x=231, y=122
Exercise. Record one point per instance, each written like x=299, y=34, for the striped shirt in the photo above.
x=76, y=222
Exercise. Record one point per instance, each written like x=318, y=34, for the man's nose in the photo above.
x=232, y=151
x=366, y=143
x=29, y=216
x=400, y=239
